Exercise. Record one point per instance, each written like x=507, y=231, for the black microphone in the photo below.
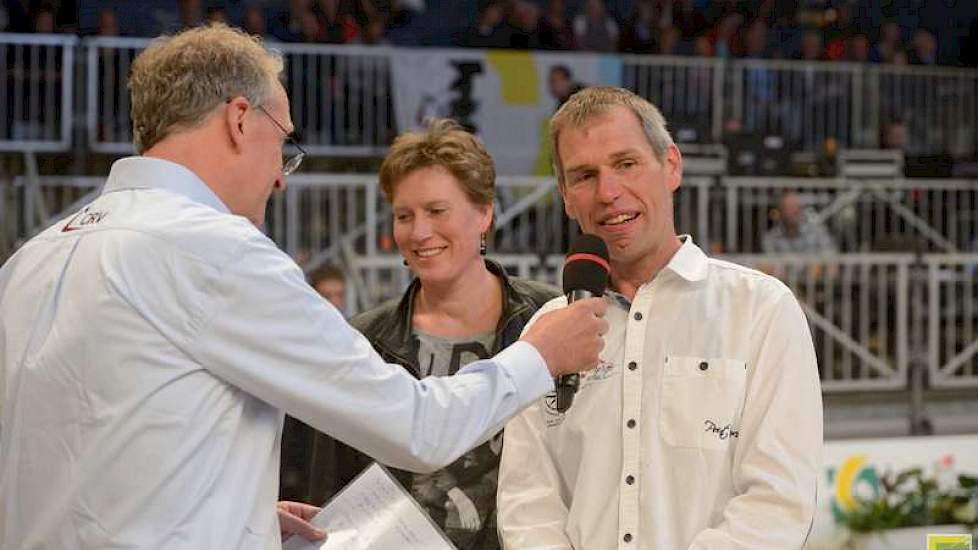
x=585, y=276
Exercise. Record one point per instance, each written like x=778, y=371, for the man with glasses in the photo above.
x=289, y=164
x=151, y=343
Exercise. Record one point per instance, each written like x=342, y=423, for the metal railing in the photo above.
x=952, y=320
x=107, y=121
x=688, y=92
x=340, y=95
x=864, y=214
x=343, y=97
x=317, y=212
x=804, y=102
x=858, y=309
x=36, y=91
x=937, y=104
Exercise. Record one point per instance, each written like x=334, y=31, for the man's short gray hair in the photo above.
x=600, y=100
x=179, y=79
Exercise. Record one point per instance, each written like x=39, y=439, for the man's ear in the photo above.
x=234, y=119
x=674, y=167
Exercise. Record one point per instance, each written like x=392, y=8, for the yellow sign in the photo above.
x=949, y=542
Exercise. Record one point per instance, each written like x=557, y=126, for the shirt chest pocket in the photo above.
x=702, y=401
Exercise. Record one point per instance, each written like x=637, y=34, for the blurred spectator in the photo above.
x=524, y=19
x=594, y=29
x=755, y=40
x=924, y=49
x=488, y=31
x=796, y=231
x=888, y=44
x=309, y=28
x=899, y=57
x=811, y=46
x=723, y=36
x=761, y=83
x=686, y=16
x=555, y=29
x=330, y=283
x=669, y=41
x=718, y=10
x=561, y=83
x=44, y=19
x=287, y=25
x=336, y=26
x=53, y=16
x=216, y=14
x=840, y=29
x=373, y=32
x=894, y=135
x=190, y=13
x=108, y=23
x=857, y=50
x=253, y=21
x=702, y=46
x=638, y=35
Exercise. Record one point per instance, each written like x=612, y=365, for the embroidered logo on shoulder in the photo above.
x=83, y=219
x=551, y=417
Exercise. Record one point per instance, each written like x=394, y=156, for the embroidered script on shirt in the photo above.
x=722, y=432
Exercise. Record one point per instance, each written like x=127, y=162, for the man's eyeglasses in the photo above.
x=291, y=164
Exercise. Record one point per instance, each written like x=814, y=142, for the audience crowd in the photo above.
x=824, y=30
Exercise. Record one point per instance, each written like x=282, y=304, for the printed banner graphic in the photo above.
x=505, y=97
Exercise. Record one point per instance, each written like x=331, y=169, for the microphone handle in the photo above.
x=568, y=384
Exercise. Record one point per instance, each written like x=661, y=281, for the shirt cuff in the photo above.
x=529, y=372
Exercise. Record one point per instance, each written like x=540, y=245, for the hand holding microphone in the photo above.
x=570, y=339
x=586, y=272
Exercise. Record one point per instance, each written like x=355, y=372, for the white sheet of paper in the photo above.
x=374, y=512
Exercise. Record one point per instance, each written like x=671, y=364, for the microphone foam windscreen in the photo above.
x=586, y=266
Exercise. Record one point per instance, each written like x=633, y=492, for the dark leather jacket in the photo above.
x=388, y=327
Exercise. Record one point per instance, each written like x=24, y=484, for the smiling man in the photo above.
x=703, y=427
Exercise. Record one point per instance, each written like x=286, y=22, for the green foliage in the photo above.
x=911, y=499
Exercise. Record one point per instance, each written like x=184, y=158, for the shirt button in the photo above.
x=638, y=315
x=627, y=537
x=704, y=365
x=631, y=423
x=632, y=365
x=630, y=480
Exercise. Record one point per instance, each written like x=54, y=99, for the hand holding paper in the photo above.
x=293, y=519
x=374, y=512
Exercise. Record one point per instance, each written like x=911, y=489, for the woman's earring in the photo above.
x=482, y=244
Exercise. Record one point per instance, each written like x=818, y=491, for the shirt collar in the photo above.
x=689, y=262
x=154, y=173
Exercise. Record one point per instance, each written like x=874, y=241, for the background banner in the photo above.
x=852, y=471
x=504, y=96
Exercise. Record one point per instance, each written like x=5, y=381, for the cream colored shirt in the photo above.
x=701, y=429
